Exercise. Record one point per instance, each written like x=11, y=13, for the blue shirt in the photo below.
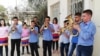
x=17, y=33
x=86, y=35
x=47, y=33
x=33, y=36
x=74, y=38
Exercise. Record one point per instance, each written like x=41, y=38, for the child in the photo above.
x=25, y=37
x=64, y=39
x=55, y=35
x=33, y=39
x=47, y=30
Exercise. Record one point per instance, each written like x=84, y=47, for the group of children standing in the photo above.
x=53, y=37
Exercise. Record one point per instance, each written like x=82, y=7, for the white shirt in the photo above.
x=63, y=38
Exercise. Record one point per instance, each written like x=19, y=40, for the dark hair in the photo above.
x=4, y=22
x=55, y=20
x=78, y=14
x=24, y=23
x=88, y=11
x=15, y=18
x=66, y=21
x=33, y=21
x=35, y=17
x=47, y=17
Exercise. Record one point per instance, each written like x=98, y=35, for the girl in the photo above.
x=55, y=34
x=3, y=37
x=25, y=37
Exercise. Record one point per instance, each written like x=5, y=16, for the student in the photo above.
x=47, y=30
x=3, y=37
x=25, y=38
x=75, y=35
x=64, y=39
x=87, y=30
x=37, y=24
x=16, y=30
x=33, y=39
x=55, y=35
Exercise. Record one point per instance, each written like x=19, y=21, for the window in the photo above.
x=76, y=6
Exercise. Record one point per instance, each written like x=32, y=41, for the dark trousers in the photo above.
x=15, y=42
x=72, y=48
x=34, y=49
x=55, y=45
x=1, y=50
x=84, y=50
x=26, y=48
x=47, y=47
x=64, y=47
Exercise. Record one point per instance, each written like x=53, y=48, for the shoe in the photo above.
x=28, y=52
x=22, y=53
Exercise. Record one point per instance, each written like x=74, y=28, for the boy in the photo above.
x=47, y=30
x=64, y=39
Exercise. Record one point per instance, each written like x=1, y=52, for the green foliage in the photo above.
x=2, y=8
x=41, y=7
x=2, y=12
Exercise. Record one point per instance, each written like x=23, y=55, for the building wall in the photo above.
x=96, y=19
x=50, y=3
x=88, y=4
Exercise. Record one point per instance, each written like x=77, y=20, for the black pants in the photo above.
x=47, y=47
x=55, y=43
x=64, y=47
x=15, y=42
x=1, y=50
x=26, y=48
x=34, y=49
x=84, y=50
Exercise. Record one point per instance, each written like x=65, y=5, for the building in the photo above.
x=62, y=8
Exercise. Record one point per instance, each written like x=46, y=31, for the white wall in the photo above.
x=63, y=11
x=50, y=3
x=96, y=19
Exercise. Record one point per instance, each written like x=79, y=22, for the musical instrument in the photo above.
x=46, y=26
x=32, y=29
x=13, y=29
x=71, y=24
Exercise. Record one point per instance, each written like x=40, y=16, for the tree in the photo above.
x=2, y=8
x=2, y=12
x=40, y=6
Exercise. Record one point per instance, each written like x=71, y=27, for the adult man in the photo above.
x=47, y=30
x=15, y=30
x=75, y=35
x=86, y=31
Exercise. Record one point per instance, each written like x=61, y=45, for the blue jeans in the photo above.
x=64, y=47
x=72, y=48
x=84, y=50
